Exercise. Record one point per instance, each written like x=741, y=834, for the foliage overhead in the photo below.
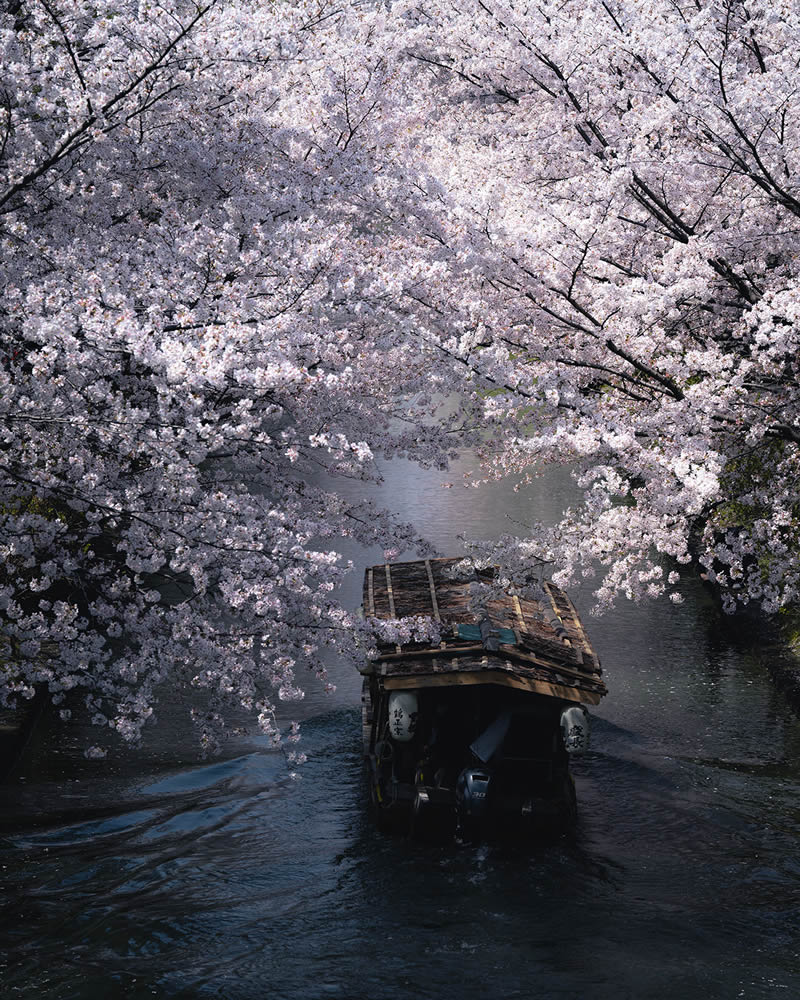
x=248, y=246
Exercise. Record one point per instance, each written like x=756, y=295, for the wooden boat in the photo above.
x=473, y=734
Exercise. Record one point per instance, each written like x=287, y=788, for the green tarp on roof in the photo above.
x=473, y=634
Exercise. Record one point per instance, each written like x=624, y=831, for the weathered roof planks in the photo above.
x=551, y=654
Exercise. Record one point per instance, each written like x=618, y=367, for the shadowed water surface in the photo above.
x=155, y=875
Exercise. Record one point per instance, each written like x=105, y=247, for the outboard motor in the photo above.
x=403, y=713
x=472, y=792
x=575, y=729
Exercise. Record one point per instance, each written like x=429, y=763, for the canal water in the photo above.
x=156, y=875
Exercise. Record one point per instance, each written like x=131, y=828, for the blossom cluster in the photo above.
x=248, y=247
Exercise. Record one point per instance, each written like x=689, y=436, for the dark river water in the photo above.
x=158, y=875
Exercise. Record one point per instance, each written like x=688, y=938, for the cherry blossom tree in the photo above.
x=195, y=327
x=622, y=209
x=248, y=246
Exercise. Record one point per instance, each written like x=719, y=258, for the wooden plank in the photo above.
x=496, y=678
x=390, y=595
x=551, y=648
x=578, y=625
x=371, y=592
x=432, y=586
x=564, y=639
x=389, y=591
x=423, y=654
x=511, y=652
x=518, y=609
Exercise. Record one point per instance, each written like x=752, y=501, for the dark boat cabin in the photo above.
x=473, y=735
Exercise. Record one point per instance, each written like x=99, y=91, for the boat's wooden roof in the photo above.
x=551, y=654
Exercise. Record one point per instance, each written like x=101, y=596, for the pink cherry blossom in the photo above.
x=246, y=244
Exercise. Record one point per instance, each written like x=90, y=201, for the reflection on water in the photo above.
x=158, y=876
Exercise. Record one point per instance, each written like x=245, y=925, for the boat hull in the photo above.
x=480, y=763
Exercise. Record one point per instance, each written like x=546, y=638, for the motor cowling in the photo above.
x=403, y=714
x=575, y=729
x=472, y=791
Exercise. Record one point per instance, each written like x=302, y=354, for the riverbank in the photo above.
x=784, y=660
x=778, y=646
x=16, y=728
